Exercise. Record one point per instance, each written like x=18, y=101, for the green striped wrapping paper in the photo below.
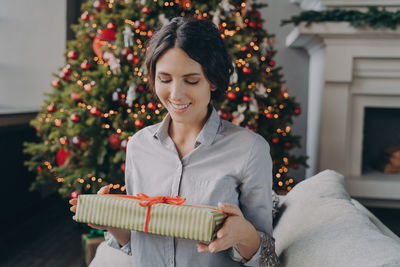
x=183, y=221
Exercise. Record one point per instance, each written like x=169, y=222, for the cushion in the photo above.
x=319, y=226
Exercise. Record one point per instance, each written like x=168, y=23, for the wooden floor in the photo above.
x=52, y=238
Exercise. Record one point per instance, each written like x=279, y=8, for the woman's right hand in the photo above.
x=74, y=202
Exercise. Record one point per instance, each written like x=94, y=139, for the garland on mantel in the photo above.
x=375, y=18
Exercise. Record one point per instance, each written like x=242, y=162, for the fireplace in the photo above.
x=381, y=140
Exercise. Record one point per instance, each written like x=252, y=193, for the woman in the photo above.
x=196, y=155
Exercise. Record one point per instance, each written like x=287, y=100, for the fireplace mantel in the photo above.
x=350, y=69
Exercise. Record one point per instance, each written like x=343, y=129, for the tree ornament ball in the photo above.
x=114, y=141
x=39, y=169
x=72, y=54
x=125, y=52
x=64, y=76
x=62, y=156
x=97, y=45
x=57, y=122
x=56, y=83
x=151, y=106
x=246, y=70
x=231, y=95
x=297, y=111
x=223, y=114
x=75, y=117
x=85, y=65
x=246, y=98
x=138, y=123
x=252, y=24
x=296, y=166
x=75, y=97
x=95, y=111
x=146, y=10
x=272, y=63
x=150, y=33
x=288, y=145
x=85, y=16
x=67, y=70
x=269, y=116
x=134, y=59
x=259, y=25
x=79, y=142
x=140, y=88
x=74, y=194
x=111, y=26
x=99, y=5
x=108, y=35
x=88, y=87
x=124, y=144
x=51, y=108
x=122, y=167
x=275, y=140
x=256, y=13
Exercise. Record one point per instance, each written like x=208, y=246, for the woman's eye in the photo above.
x=164, y=81
x=192, y=82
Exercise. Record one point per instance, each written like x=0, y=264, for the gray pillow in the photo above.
x=319, y=226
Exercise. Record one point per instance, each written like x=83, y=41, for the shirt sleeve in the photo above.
x=256, y=203
x=112, y=242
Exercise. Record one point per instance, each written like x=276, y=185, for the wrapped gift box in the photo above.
x=156, y=215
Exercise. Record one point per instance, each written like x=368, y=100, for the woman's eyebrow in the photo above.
x=186, y=75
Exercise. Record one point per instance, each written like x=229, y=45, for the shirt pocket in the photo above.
x=209, y=192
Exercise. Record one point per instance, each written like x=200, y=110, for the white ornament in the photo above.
x=217, y=16
x=234, y=76
x=143, y=2
x=163, y=19
x=238, y=115
x=226, y=6
x=264, y=47
x=261, y=90
x=239, y=21
x=253, y=106
x=128, y=36
x=113, y=62
x=131, y=96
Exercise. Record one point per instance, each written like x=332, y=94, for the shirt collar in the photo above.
x=206, y=135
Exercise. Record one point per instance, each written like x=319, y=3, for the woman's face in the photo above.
x=182, y=87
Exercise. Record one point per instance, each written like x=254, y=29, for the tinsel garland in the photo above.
x=375, y=17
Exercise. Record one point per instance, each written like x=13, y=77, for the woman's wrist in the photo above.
x=249, y=243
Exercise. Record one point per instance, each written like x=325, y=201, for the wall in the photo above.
x=33, y=38
x=294, y=63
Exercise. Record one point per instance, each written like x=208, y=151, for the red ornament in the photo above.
x=64, y=76
x=72, y=54
x=62, y=156
x=107, y=35
x=114, y=141
x=151, y=106
x=79, y=142
x=231, y=95
x=99, y=5
x=256, y=13
x=296, y=165
x=88, y=86
x=142, y=27
x=124, y=144
x=246, y=70
x=246, y=98
x=95, y=111
x=85, y=65
x=186, y=4
x=51, y=108
x=57, y=122
x=146, y=10
x=67, y=70
x=38, y=132
x=287, y=145
x=39, y=169
x=125, y=52
x=75, y=117
x=272, y=63
x=75, y=97
x=275, y=140
x=56, y=83
x=269, y=115
x=259, y=25
x=138, y=123
x=140, y=88
x=85, y=16
x=224, y=115
x=122, y=168
x=252, y=24
x=111, y=26
x=297, y=111
x=97, y=45
x=74, y=194
x=134, y=59
x=150, y=33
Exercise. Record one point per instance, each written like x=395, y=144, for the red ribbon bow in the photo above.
x=145, y=200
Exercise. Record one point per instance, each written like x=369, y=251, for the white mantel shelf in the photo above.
x=350, y=69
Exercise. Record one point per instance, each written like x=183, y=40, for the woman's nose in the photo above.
x=176, y=91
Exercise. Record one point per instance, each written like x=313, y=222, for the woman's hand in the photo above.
x=235, y=231
x=74, y=202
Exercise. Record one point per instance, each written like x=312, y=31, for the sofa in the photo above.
x=317, y=224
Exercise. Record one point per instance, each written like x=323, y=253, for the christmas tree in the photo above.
x=100, y=97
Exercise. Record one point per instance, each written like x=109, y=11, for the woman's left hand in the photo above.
x=236, y=230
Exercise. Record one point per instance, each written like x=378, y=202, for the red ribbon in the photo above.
x=145, y=200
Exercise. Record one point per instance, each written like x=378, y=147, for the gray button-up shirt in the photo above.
x=228, y=164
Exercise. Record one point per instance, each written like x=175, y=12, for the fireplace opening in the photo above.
x=381, y=144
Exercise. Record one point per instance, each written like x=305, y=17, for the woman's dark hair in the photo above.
x=201, y=40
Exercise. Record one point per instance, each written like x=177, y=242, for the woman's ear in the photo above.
x=213, y=87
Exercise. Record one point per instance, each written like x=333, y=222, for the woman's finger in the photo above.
x=73, y=209
x=73, y=201
x=104, y=190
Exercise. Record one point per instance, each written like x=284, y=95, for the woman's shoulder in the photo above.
x=241, y=134
x=144, y=134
